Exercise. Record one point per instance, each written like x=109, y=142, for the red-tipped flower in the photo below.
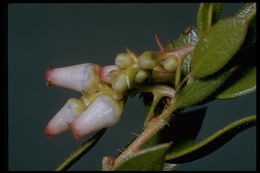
x=82, y=77
x=103, y=112
x=68, y=113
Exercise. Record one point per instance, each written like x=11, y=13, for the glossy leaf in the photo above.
x=248, y=11
x=188, y=37
x=83, y=149
x=212, y=143
x=217, y=46
x=208, y=14
x=204, y=17
x=245, y=84
x=151, y=159
x=200, y=89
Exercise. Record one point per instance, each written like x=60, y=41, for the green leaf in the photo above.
x=151, y=159
x=83, y=149
x=248, y=11
x=217, y=46
x=204, y=17
x=188, y=37
x=212, y=143
x=244, y=84
x=208, y=14
x=200, y=89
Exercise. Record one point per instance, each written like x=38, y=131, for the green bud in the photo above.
x=170, y=64
x=141, y=76
x=123, y=60
x=120, y=83
x=148, y=60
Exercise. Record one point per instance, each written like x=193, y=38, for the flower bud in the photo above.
x=141, y=76
x=82, y=77
x=123, y=60
x=170, y=64
x=104, y=72
x=121, y=83
x=148, y=60
x=68, y=113
x=103, y=112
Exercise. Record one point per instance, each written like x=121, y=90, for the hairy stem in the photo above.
x=154, y=126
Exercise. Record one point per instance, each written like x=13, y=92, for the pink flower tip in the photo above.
x=104, y=73
x=77, y=135
x=48, y=76
x=49, y=132
x=67, y=114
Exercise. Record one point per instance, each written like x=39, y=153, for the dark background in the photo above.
x=40, y=35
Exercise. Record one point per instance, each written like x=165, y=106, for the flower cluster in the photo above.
x=104, y=89
x=96, y=109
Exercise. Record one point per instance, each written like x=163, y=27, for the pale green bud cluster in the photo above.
x=156, y=65
x=129, y=73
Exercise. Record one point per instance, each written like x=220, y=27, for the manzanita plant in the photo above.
x=204, y=64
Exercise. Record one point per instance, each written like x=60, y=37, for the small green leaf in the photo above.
x=248, y=11
x=212, y=143
x=208, y=14
x=245, y=84
x=200, y=89
x=83, y=149
x=204, y=17
x=151, y=159
x=188, y=37
x=217, y=46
